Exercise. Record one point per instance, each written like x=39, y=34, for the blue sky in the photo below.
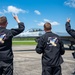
x=34, y=13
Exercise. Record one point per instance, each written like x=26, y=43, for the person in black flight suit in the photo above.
x=6, y=53
x=70, y=31
x=51, y=47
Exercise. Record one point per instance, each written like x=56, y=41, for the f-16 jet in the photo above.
x=37, y=32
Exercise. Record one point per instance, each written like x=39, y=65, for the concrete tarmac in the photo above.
x=28, y=62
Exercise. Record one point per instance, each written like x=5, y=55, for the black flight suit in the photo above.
x=6, y=54
x=51, y=48
x=70, y=31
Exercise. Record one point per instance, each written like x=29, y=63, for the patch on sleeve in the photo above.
x=52, y=41
x=2, y=38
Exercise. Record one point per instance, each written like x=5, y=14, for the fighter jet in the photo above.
x=37, y=32
x=33, y=32
x=67, y=39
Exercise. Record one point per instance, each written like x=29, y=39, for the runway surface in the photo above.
x=28, y=62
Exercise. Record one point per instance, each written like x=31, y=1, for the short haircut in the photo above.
x=3, y=20
x=47, y=26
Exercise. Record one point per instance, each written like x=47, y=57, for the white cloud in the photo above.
x=54, y=23
x=14, y=9
x=41, y=24
x=37, y=12
x=5, y=11
x=47, y=20
x=70, y=3
x=35, y=21
x=1, y=13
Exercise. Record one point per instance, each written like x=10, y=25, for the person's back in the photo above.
x=6, y=53
x=51, y=48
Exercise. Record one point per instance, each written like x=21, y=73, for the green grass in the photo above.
x=23, y=39
x=24, y=43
